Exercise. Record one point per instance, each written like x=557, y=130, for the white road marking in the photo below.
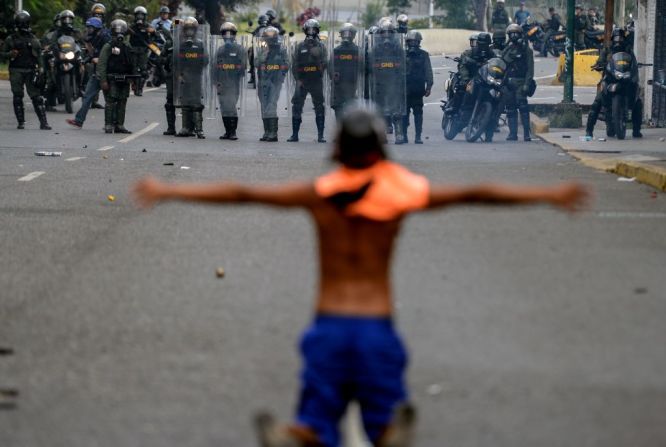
x=150, y=89
x=545, y=77
x=136, y=135
x=75, y=158
x=105, y=148
x=31, y=176
x=629, y=215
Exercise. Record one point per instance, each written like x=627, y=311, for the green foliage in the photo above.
x=458, y=14
x=398, y=6
x=374, y=10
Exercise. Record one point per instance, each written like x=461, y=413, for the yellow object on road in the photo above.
x=584, y=76
x=111, y=198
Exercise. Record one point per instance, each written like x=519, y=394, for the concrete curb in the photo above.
x=538, y=125
x=654, y=176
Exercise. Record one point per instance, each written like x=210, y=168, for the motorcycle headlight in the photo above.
x=621, y=75
x=69, y=55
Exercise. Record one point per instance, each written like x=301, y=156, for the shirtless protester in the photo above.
x=351, y=350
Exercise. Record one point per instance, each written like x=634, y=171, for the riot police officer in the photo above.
x=163, y=21
x=500, y=18
x=66, y=28
x=272, y=68
x=23, y=50
x=114, y=67
x=262, y=23
x=618, y=44
x=520, y=73
x=141, y=35
x=581, y=24
x=344, y=70
x=470, y=62
x=190, y=62
x=228, y=73
x=308, y=67
x=273, y=21
x=499, y=41
x=419, y=83
x=403, y=23
x=387, y=65
x=167, y=63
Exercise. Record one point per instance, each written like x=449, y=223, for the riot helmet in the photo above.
x=373, y=29
x=413, y=39
x=271, y=15
x=617, y=40
x=403, y=21
x=67, y=19
x=386, y=29
x=98, y=10
x=165, y=10
x=515, y=33
x=56, y=20
x=119, y=29
x=190, y=26
x=484, y=40
x=347, y=32
x=499, y=39
x=140, y=15
x=271, y=36
x=262, y=21
x=500, y=4
x=311, y=29
x=228, y=31
x=22, y=21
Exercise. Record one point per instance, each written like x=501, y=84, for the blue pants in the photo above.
x=92, y=88
x=350, y=358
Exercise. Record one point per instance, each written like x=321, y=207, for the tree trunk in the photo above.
x=480, y=8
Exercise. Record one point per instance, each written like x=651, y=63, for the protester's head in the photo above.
x=360, y=139
x=551, y=11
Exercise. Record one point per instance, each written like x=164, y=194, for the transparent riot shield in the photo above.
x=271, y=61
x=228, y=76
x=309, y=74
x=346, y=69
x=191, y=75
x=386, y=73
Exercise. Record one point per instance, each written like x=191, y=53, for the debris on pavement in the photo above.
x=219, y=272
x=585, y=138
x=653, y=195
x=111, y=198
x=85, y=146
x=144, y=150
x=601, y=139
x=626, y=179
x=662, y=139
x=185, y=167
x=435, y=389
x=4, y=351
x=566, y=136
x=167, y=164
x=105, y=157
x=48, y=154
x=640, y=290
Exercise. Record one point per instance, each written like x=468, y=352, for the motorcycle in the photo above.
x=452, y=122
x=65, y=65
x=486, y=89
x=156, y=73
x=535, y=34
x=594, y=39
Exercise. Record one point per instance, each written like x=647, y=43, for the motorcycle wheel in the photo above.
x=67, y=91
x=620, y=116
x=450, y=127
x=477, y=125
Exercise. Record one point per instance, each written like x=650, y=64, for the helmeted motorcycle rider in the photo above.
x=228, y=72
x=115, y=61
x=618, y=45
x=66, y=21
x=470, y=62
x=272, y=69
x=419, y=83
x=344, y=70
x=519, y=59
x=403, y=24
x=308, y=67
x=499, y=41
x=23, y=51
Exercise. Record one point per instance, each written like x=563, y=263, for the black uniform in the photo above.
x=228, y=73
x=140, y=37
x=23, y=51
x=344, y=72
x=581, y=24
x=167, y=61
x=470, y=62
x=553, y=26
x=519, y=59
x=419, y=83
x=115, y=63
x=308, y=67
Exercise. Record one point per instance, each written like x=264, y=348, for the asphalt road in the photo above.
x=526, y=326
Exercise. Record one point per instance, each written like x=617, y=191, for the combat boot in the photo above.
x=273, y=130
x=418, y=128
x=120, y=117
x=171, y=119
x=405, y=128
x=637, y=119
x=320, y=120
x=397, y=124
x=295, y=128
x=227, y=127
x=233, y=125
x=525, y=118
x=19, y=111
x=266, y=129
x=512, y=122
x=389, y=125
x=591, y=122
x=197, y=116
x=188, y=123
x=40, y=110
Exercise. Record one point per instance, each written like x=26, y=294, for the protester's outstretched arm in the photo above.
x=150, y=191
x=568, y=196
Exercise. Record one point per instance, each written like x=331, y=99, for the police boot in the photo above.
x=108, y=116
x=525, y=118
x=171, y=119
x=266, y=129
x=19, y=111
x=399, y=130
x=273, y=130
x=512, y=121
x=405, y=128
x=40, y=110
x=197, y=115
x=591, y=121
x=120, y=117
x=418, y=128
x=227, y=128
x=295, y=128
x=637, y=120
x=389, y=125
x=188, y=124
x=233, y=125
x=320, y=120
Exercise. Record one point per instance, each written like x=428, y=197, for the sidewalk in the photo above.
x=641, y=159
